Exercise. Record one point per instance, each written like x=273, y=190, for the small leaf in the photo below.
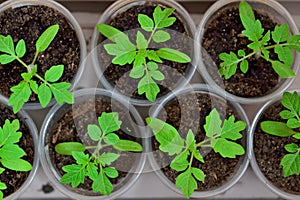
x=109, y=122
x=75, y=174
x=2, y=187
x=190, y=138
x=20, y=95
x=21, y=48
x=61, y=93
x=297, y=136
x=16, y=164
x=162, y=18
x=291, y=101
x=111, y=138
x=123, y=59
x=241, y=53
x=111, y=172
x=277, y=129
x=168, y=137
x=5, y=59
x=229, y=64
x=46, y=38
x=282, y=70
x=294, y=42
x=141, y=41
x=127, y=145
x=9, y=134
x=291, y=164
x=111, y=33
x=293, y=123
x=108, y=158
x=140, y=59
x=26, y=76
x=285, y=114
x=281, y=33
x=266, y=54
x=152, y=55
x=186, y=182
x=161, y=36
x=198, y=174
x=231, y=130
x=137, y=72
x=228, y=149
x=11, y=151
x=81, y=158
x=198, y=156
x=157, y=75
x=244, y=66
x=66, y=148
x=148, y=86
x=180, y=162
x=256, y=46
x=213, y=124
x=152, y=66
x=94, y=132
x=173, y=55
x=266, y=38
x=44, y=95
x=54, y=73
x=92, y=171
x=146, y=22
x=291, y=148
x=102, y=184
x=285, y=54
x=7, y=45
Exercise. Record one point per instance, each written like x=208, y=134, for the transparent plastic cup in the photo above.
x=57, y=112
x=268, y=7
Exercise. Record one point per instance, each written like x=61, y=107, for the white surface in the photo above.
x=149, y=186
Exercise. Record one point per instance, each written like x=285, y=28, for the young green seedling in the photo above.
x=96, y=166
x=143, y=57
x=22, y=91
x=290, y=162
x=219, y=137
x=10, y=152
x=262, y=42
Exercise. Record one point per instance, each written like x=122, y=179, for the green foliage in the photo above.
x=140, y=55
x=23, y=90
x=220, y=136
x=262, y=41
x=96, y=166
x=290, y=162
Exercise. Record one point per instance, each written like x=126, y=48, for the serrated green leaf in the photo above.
x=162, y=18
x=297, y=136
x=127, y=145
x=109, y=122
x=108, y=158
x=141, y=41
x=198, y=174
x=281, y=33
x=157, y=75
x=213, y=124
x=5, y=59
x=244, y=66
x=282, y=69
x=74, y=174
x=20, y=95
x=190, y=138
x=229, y=64
x=124, y=58
x=291, y=101
x=26, y=76
x=54, y=73
x=266, y=54
x=80, y=157
x=102, y=184
x=187, y=183
x=256, y=46
x=34, y=86
x=94, y=132
x=152, y=55
x=146, y=22
x=285, y=54
x=231, y=130
x=66, y=148
x=266, y=38
x=168, y=137
x=16, y=164
x=61, y=93
x=277, y=129
x=294, y=42
x=137, y=72
x=161, y=36
x=21, y=48
x=111, y=138
x=180, y=162
x=9, y=134
x=148, y=86
x=198, y=156
x=286, y=114
x=46, y=38
x=293, y=123
x=292, y=148
x=152, y=66
x=111, y=33
x=92, y=171
x=11, y=151
x=7, y=45
x=111, y=172
x=227, y=149
x=44, y=95
x=291, y=164
x=173, y=55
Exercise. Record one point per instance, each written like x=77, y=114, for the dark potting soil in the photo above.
x=269, y=150
x=72, y=127
x=28, y=23
x=181, y=39
x=223, y=34
x=189, y=112
x=15, y=179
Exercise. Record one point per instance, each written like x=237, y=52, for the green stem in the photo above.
x=35, y=57
x=24, y=64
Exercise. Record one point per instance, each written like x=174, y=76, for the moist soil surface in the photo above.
x=72, y=127
x=28, y=23
x=269, y=150
x=181, y=39
x=223, y=34
x=189, y=112
x=15, y=179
